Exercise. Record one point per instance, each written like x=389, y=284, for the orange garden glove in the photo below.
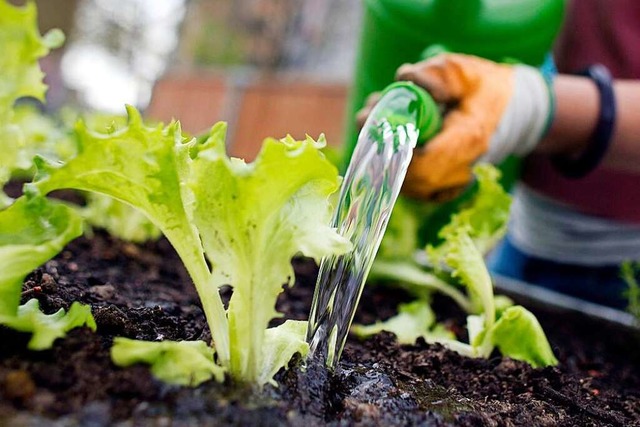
x=496, y=110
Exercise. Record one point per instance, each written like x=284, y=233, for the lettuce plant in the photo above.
x=54, y=139
x=515, y=331
x=25, y=132
x=32, y=231
x=20, y=76
x=629, y=271
x=493, y=321
x=231, y=223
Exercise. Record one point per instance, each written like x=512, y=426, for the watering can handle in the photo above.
x=422, y=110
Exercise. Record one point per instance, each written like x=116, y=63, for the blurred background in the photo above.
x=267, y=67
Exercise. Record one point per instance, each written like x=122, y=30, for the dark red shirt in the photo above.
x=606, y=32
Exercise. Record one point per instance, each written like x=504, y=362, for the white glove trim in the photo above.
x=526, y=116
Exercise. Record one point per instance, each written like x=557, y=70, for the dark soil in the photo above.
x=143, y=292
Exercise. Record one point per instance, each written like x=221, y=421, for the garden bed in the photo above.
x=143, y=291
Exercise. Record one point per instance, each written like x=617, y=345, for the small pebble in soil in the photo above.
x=18, y=386
x=104, y=292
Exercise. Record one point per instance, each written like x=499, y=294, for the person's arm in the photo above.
x=577, y=106
x=496, y=110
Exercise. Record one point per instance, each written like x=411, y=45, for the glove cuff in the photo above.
x=527, y=116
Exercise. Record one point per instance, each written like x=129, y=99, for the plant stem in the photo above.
x=411, y=273
x=209, y=297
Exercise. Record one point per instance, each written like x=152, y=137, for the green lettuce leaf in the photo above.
x=468, y=266
x=253, y=218
x=188, y=363
x=400, y=241
x=54, y=140
x=41, y=135
x=20, y=75
x=471, y=233
x=414, y=320
x=46, y=328
x=119, y=219
x=485, y=219
x=22, y=46
x=518, y=335
x=629, y=271
x=279, y=346
x=31, y=232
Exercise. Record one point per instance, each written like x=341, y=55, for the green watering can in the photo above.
x=395, y=32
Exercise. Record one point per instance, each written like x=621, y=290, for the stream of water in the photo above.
x=369, y=191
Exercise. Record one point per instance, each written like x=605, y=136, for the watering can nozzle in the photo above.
x=405, y=102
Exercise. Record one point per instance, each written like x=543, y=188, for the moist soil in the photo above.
x=143, y=292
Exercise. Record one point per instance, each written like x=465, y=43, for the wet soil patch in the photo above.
x=143, y=291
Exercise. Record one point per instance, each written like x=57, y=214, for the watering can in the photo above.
x=395, y=32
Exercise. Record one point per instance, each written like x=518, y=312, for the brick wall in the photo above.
x=254, y=107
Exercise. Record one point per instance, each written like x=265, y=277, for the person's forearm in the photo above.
x=577, y=109
x=625, y=148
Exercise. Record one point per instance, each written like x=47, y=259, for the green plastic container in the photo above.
x=395, y=32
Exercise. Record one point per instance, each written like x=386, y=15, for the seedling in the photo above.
x=31, y=230
x=231, y=223
x=493, y=322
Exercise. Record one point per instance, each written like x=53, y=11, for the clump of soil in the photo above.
x=143, y=291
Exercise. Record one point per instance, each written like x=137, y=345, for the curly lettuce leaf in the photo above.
x=518, y=335
x=21, y=45
x=42, y=135
x=279, y=346
x=488, y=215
x=253, y=218
x=47, y=137
x=187, y=363
x=485, y=219
x=119, y=219
x=46, y=328
x=481, y=225
x=471, y=233
x=468, y=266
x=145, y=167
x=414, y=320
x=629, y=271
x=31, y=232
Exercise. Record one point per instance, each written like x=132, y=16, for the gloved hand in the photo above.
x=496, y=110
